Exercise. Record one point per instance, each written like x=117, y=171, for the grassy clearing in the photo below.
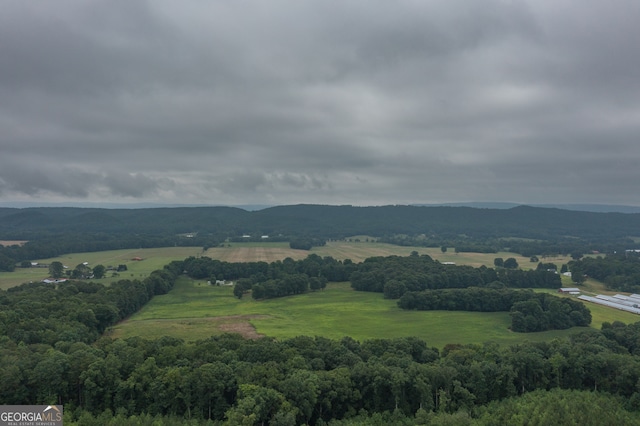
x=194, y=310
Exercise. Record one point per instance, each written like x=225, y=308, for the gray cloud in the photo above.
x=335, y=102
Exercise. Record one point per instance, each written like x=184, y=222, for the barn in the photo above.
x=569, y=290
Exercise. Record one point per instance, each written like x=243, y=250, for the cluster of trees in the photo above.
x=530, y=311
x=394, y=275
x=306, y=243
x=510, y=263
x=546, y=312
x=618, y=271
x=288, y=285
x=76, y=311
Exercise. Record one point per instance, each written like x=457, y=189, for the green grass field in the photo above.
x=194, y=310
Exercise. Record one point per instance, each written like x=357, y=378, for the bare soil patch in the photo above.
x=239, y=324
x=8, y=243
x=196, y=328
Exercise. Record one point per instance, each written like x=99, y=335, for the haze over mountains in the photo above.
x=596, y=208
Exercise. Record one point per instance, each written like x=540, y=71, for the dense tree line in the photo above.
x=474, y=299
x=312, y=266
x=529, y=311
x=308, y=380
x=556, y=406
x=393, y=275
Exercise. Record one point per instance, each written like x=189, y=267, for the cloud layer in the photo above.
x=337, y=102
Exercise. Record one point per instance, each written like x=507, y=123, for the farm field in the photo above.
x=156, y=258
x=194, y=310
x=153, y=259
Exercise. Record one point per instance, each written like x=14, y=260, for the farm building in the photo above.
x=569, y=290
x=54, y=280
x=624, y=303
x=221, y=282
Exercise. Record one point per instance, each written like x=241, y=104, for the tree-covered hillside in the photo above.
x=322, y=220
x=526, y=230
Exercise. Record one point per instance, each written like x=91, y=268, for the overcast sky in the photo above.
x=229, y=102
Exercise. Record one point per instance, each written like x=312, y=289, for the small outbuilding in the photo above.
x=569, y=290
x=54, y=280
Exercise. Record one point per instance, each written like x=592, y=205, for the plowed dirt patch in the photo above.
x=240, y=324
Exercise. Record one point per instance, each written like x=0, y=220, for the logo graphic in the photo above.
x=32, y=415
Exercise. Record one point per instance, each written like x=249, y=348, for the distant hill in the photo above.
x=596, y=208
x=322, y=221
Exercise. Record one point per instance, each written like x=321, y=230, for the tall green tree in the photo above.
x=98, y=271
x=56, y=269
x=511, y=263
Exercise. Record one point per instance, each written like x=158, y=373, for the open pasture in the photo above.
x=194, y=310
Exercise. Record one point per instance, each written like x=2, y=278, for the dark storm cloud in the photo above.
x=322, y=101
